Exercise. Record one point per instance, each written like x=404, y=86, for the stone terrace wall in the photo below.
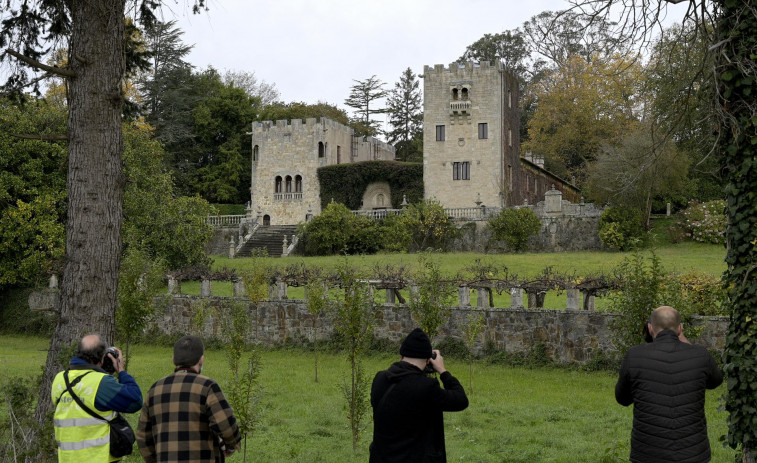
x=567, y=335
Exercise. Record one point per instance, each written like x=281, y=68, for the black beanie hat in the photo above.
x=416, y=345
x=187, y=351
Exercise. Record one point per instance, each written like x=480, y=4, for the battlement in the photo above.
x=466, y=70
x=484, y=66
x=309, y=124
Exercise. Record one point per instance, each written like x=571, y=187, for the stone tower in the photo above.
x=285, y=160
x=471, y=143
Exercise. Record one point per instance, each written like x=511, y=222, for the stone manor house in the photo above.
x=471, y=151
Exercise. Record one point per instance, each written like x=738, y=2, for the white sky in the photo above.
x=313, y=49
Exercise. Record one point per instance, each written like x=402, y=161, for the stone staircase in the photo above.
x=271, y=238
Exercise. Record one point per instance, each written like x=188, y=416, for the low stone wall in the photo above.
x=568, y=336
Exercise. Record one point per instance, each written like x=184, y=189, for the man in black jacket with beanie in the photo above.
x=408, y=424
x=665, y=381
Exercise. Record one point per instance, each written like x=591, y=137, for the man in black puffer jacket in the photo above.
x=408, y=424
x=665, y=381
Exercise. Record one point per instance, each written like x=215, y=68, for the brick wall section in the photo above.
x=569, y=336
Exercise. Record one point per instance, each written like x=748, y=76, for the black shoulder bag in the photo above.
x=121, y=434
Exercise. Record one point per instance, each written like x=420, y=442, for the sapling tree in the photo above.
x=317, y=300
x=432, y=298
x=471, y=331
x=353, y=314
x=243, y=389
x=140, y=280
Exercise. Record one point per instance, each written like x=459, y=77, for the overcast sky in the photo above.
x=313, y=49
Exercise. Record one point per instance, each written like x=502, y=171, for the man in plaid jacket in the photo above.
x=185, y=417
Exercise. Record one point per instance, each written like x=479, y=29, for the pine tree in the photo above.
x=362, y=95
x=405, y=109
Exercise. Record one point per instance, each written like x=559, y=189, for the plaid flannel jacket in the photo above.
x=186, y=418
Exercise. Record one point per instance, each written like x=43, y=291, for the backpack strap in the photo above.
x=73, y=383
x=70, y=386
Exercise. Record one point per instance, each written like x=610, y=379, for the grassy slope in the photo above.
x=678, y=258
x=516, y=415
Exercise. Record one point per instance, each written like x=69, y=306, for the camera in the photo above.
x=430, y=368
x=107, y=362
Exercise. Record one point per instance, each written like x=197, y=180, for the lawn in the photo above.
x=675, y=258
x=515, y=414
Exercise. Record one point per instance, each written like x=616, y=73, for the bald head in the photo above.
x=665, y=318
x=91, y=349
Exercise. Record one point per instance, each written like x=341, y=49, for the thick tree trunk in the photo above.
x=94, y=183
x=736, y=74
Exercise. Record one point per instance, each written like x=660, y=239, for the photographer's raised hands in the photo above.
x=438, y=362
x=118, y=362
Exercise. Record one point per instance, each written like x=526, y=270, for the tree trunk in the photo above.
x=94, y=183
x=736, y=75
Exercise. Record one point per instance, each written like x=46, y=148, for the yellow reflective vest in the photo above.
x=81, y=437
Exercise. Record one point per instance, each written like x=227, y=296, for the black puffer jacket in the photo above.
x=665, y=381
x=408, y=424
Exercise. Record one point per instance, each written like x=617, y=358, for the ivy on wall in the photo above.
x=346, y=183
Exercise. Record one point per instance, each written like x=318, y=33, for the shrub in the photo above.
x=515, y=227
x=328, y=232
x=424, y=225
x=620, y=227
x=704, y=222
x=702, y=294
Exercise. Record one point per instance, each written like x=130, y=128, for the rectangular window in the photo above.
x=461, y=171
x=510, y=177
x=439, y=133
x=338, y=154
x=483, y=130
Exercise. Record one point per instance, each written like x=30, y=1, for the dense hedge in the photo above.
x=346, y=183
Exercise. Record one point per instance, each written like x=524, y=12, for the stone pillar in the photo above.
x=413, y=291
x=553, y=201
x=174, y=286
x=284, y=247
x=588, y=301
x=239, y=288
x=573, y=299
x=667, y=213
x=463, y=292
x=516, y=298
x=281, y=291
x=483, y=297
x=390, y=299
x=232, y=248
x=205, y=288
x=53, y=282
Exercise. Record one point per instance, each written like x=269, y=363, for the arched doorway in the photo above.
x=266, y=220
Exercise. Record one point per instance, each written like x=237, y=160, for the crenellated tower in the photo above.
x=471, y=144
x=285, y=159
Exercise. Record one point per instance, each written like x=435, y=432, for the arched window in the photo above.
x=380, y=200
x=455, y=95
x=278, y=188
x=321, y=149
x=465, y=94
x=288, y=184
x=298, y=184
x=255, y=153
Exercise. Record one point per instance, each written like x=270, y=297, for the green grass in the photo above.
x=515, y=414
x=681, y=257
x=676, y=258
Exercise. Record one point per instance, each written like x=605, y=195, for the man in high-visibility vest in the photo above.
x=80, y=436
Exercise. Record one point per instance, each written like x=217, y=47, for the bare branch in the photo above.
x=36, y=64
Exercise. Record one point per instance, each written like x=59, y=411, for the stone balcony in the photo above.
x=287, y=196
x=459, y=106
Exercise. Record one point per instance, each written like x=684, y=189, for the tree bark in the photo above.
x=94, y=183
